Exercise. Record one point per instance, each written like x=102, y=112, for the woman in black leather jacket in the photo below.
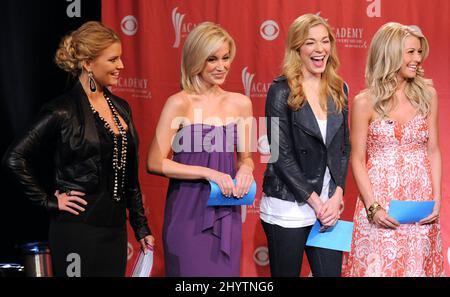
x=306, y=110
x=94, y=146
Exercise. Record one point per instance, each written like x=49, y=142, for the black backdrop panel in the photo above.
x=29, y=35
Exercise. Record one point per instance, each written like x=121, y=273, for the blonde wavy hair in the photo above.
x=85, y=43
x=384, y=60
x=332, y=84
x=203, y=41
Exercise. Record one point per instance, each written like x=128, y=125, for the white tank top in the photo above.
x=292, y=214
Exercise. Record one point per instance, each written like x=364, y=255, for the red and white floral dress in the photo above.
x=398, y=168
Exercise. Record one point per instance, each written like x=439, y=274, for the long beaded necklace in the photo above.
x=119, y=159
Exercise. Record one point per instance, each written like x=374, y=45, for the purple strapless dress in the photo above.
x=201, y=240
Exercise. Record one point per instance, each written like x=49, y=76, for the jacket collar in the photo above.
x=119, y=106
x=306, y=119
x=334, y=121
x=80, y=96
x=125, y=113
x=86, y=116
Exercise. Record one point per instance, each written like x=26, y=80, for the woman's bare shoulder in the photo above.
x=238, y=99
x=178, y=101
x=363, y=100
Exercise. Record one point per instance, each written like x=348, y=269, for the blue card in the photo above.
x=216, y=197
x=409, y=212
x=338, y=237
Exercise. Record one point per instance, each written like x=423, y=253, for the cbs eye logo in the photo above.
x=261, y=256
x=129, y=25
x=269, y=30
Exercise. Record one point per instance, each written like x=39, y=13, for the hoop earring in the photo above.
x=92, y=85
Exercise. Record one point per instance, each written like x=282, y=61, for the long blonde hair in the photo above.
x=384, y=60
x=332, y=83
x=202, y=42
x=85, y=43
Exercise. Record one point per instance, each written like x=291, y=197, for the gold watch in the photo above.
x=372, y=210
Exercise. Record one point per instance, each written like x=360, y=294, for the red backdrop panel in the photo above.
x=153, y=33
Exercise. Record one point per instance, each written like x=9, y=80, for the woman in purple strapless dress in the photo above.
x=206, y=128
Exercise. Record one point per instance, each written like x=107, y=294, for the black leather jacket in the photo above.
x=299, y=155
x=66, y=126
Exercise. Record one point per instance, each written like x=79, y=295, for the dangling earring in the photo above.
x=92, y=85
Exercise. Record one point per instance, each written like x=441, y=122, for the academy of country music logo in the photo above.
x=130, y=251
x=350, y=37
x=177, y=21
x=353, y=37
x=253, y=209
x=136, y=87
x=253, y=89
x=180, y=27
x=247, y=79
x=129, y=25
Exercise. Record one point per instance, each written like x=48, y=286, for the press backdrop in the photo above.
x=153, y=34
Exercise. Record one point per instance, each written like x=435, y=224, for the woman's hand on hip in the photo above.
x=147, y=241
x=70, y=200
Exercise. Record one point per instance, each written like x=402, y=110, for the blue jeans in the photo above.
x=286, y=247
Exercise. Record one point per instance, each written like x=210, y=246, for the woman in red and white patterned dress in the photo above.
x=394, y=122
